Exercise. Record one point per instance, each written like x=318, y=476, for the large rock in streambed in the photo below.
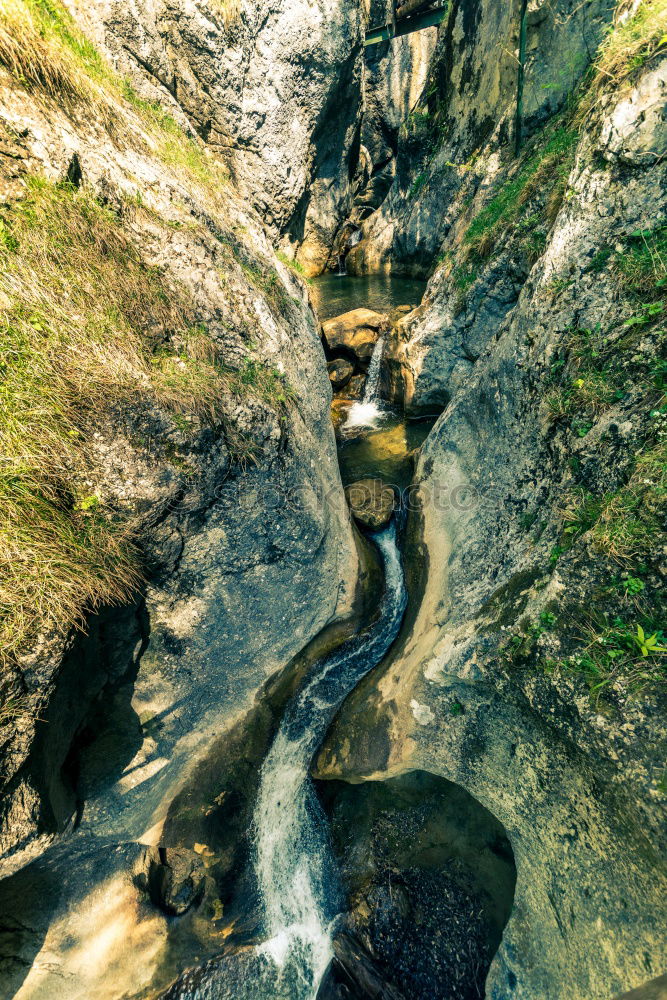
x=174, y=878
x=356, y=333
x=340, y=372
x=371, y=502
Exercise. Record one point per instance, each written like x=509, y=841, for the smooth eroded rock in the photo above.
x=371, y=503
x=356, y=332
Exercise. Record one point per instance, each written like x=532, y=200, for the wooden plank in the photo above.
x=405, y=27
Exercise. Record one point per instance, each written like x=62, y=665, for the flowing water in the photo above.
x=369, y=410
x=294, y=867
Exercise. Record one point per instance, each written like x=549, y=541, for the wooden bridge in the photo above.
x=411, y=15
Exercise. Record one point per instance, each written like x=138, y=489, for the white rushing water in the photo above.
x=367, y=412
x=295, y=870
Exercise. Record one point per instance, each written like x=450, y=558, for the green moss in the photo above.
x=544, y=167
x=294, y=265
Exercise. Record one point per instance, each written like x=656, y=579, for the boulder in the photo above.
x=340, y=373
x=175, y=879
x=356, y=332
x=355, y=387
x=371, y=502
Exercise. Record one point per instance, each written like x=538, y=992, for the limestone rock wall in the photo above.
x=469, y=108
x=480, y=688
x=275, y=89
x=245, y=532
x=395, y=76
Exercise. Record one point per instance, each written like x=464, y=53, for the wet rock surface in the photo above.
x=175, y=879
x=372, y=502
x=429, y=877
x=340, y=373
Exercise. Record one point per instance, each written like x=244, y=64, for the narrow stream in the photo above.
x=294, y=866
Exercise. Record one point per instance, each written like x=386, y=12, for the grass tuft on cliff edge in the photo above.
x=87, y=330
x=44, y=51
x=638, y=34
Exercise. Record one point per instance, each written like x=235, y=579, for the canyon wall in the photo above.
x=235, y=504
x=468, y=107
x=538, y=528
x=273, y=88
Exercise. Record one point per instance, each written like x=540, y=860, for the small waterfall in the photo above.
x=295, y=871
x=342, y=269
x=367, y=412
x=355, y=238
x=373, y=379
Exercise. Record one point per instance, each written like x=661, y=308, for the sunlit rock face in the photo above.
x=395, y=75
x=246, y=539
x=469, y=104
x=486, y=686
x=274, y=87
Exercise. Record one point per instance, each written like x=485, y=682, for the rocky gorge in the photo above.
x=333, y=500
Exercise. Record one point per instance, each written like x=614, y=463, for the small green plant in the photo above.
x=581, y=427
x=87, y=503
x=547, y=619
x=632, y=585
x=558, y=285
x=642, y=266
x=600, y=260
x=294, y=265
x=647, y=644
x=456, y=708
x=649, y=311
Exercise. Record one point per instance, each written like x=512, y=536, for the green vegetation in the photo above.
x=265, y=280
x=419, y=182
x=629, y=46
x=45, y=52
x=544, y=167
x=642, y=266
x=607, y=649
x=619, y=650
x=294, y=265
x=86, y=331
x=626, y=525
x=599, y=370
